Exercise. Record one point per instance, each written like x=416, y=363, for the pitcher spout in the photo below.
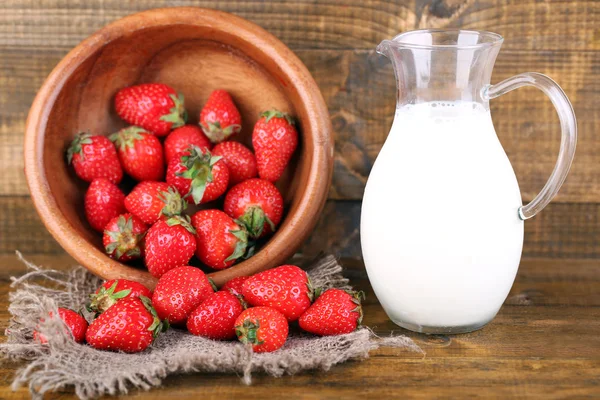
x=383, y=48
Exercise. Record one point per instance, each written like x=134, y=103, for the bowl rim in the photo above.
x=298, y=225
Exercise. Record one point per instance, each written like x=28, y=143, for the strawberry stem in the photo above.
x=174, y=204
x=76, y=146
x=198, y=166
x=177, y=114
x=270, y=114
x=183, y=221
x=247, y=333
x=217, y=134
x=105, y=298
x=157, y=325
x=127, y=137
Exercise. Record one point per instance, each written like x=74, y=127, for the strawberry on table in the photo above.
x=220, y=119
x=274, y=140
x=169, y=244
x=286, y=288
x=76, y=324
x=94, y=157
x=155, y=107
x=123, y=237
x=179, y=292
x=257, y=204
x=335, y=312
x=149, y=201
x=235, y=285
x=220, y=240
x=181, y=138
x=239, y=159
x=141, y=153
x=102, y=202
x=265, y=328
x=114, y=290
x=198, y=176
x=130, y=326
x=215, y=317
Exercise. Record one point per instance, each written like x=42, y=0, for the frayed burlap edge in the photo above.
x=63, y=363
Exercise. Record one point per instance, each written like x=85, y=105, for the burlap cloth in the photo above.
x=63, y=363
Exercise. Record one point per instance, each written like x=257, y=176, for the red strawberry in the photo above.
x=265, y=328
x=257, y=204
x=74, y=321
x=274, y=140
x=114, y=290
x=123, y=237
x=198, y=176
x=155, y=107
x=335, y=312
x=180, y=140
x=215, y=317
x=94, y=157
x=169, y=244
x=141, y=153
x=220, y=240
x=102, y=202
x=130, y=326
x=149, y=201
x=239, y=159
x=179, y=291
x=235, y=285
x=220, y=119
x=286, y=288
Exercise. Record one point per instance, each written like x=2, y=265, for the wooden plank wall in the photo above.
x=336, y=40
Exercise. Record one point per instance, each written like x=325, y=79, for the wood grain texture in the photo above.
x=354, y=24
x=547, y=347
x=358, y=87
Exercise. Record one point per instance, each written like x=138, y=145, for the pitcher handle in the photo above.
x=568, y=126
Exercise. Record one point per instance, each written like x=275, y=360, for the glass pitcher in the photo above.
x=442, y=217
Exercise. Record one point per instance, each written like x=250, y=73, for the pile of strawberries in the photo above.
x=256, y=309
x=195, y=165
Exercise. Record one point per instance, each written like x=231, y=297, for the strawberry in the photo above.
x=286, y=288
x=169, y=244
x=235, y=285
x=265, y=328
x=155, y=107
x=180, y=291
x=94, y=157
x=220, y=119
x=239, y=159
x=215, y=317
x=220, y=240
x=198, y=176
x=76, y=324
x=114, y=290
x=141, y=153
x=123, y=237
x=102, y=202
x=274, y=140
x=130, y=326
x=149, y=201
x=256, y=204
x=180, y=140
x=335, y=312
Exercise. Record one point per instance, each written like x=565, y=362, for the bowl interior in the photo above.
x=194, y=60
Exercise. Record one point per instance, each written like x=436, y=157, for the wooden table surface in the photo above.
x=545, y=343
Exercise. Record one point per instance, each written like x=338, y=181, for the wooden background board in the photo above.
x=545, y=342
x=336, y=40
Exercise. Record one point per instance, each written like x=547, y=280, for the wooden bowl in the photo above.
x=194, y=50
